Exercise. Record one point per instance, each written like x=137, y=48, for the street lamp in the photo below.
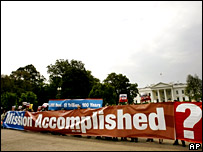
x=59, y=92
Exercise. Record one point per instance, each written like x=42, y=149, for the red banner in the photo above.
x=155, y=120
x=188, y=121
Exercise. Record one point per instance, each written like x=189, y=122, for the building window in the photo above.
x=183, y=98
x=178, y=99
x=156, y=94
x=149, y=94
x=176, y=91
x=182, y=91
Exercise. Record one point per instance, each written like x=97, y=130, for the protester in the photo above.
x=78, y=107
x=3, y=115
x=19, y=108
x=134, y=139
x=123, y=138
x=39, y=108
x=149, y=139
x=176, y=143
x=161, y=141
x=98, y=137
x=13, y=108
x=115, y=138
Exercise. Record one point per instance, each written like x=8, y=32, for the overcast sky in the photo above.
x=147, y=41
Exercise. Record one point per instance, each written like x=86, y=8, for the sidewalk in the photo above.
x=16, y=140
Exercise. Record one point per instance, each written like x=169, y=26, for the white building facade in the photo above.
x=163, y=92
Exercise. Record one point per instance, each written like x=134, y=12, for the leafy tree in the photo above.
x=72, y=77
x=104, y=91
x=75, y=84
x=122, y=86
x=7, y=84
x=28, y=79
x=29, y=97
x=29, y=74
x=194, y=87
x=119, y=82
x=133, y=91
x=8, y=99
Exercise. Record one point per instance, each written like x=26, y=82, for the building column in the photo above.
x=152, y=97
x=159, y=96
x=172, y=94
x=165, y=96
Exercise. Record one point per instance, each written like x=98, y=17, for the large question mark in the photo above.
x=192, y=119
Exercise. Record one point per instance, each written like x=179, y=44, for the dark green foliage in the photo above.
x=104, y=91
x=29, y=97
x=8, y=99
x=122, y=85
x=27, y=85
x=75, y=81
x=194, y=87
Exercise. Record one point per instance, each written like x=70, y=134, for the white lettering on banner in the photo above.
x=161, y=120
x=65, y=105
x=101, y=120
x=95, y=105
x=137, y=119
x=51, y=125
x=140, y=121
x=38, y=121
x=98, y=120
x=44, y=121
x=85, y=104
x=58, y=105
x=73, y=105
x=87, y=126
x=111, y=123
x=95, y=121
x=18, y=120
x=127, y=117
x=61, y=122
x=52, y=105
x=73, y=124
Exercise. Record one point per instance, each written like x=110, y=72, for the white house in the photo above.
x=163, y=92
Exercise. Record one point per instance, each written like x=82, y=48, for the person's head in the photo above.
x=79, y=107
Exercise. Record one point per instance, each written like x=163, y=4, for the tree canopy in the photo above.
x=194, y=87
x=75, y=81
x=122, y=85
x=26, y=84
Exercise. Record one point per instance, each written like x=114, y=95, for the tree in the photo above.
x=194, y=87
x=104, y=91
x=7, y=84
x=75, y=84
x=8, y=99
x=72, y=77
x=133, y=92
x=29, y=97
x=28, y=79
x=29, y=74
x=122, y=85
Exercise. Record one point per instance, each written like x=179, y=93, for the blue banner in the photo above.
x=15, y=120
x=70, y=104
